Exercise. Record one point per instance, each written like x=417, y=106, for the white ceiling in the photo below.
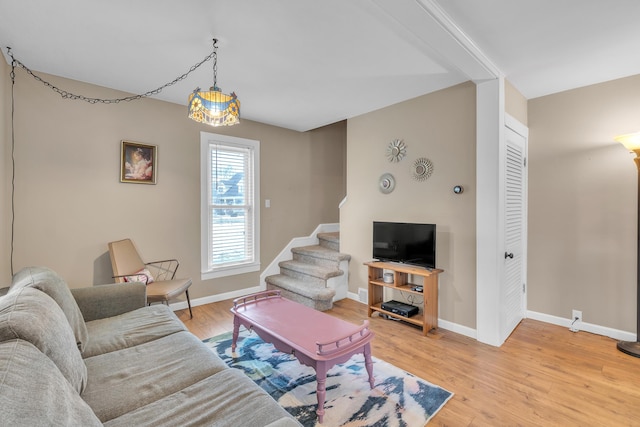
x=301, y=64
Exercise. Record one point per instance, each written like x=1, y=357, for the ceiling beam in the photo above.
x=441, y=37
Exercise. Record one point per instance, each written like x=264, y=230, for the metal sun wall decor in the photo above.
x=386, y=183
x=421, y=169
x=396, y=150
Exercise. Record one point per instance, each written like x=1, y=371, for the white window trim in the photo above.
x=205, y=139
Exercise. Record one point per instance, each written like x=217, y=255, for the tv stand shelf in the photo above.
x=428, y=319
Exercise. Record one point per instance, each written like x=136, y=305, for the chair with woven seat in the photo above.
x=159, y=276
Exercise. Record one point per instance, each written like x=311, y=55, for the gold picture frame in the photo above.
x=138, y=163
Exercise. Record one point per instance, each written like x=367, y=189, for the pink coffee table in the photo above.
x=314, y=338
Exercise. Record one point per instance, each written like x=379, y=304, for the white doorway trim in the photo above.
x=489, y=231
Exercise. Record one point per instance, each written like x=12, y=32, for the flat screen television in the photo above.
x=405, y=242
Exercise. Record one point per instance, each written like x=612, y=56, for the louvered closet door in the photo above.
x=514, y=233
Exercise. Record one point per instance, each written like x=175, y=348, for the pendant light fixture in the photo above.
x=214, y=107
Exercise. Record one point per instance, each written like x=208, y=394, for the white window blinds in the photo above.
x=231, y=230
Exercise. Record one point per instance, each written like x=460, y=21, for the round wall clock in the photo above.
x=421, y=169
x=396, y=150
x=387, y=183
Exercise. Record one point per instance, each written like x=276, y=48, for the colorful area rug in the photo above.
x=398, y=398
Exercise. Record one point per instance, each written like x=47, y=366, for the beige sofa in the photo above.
x=99, y=356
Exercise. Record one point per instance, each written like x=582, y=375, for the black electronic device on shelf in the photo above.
x=400, y=308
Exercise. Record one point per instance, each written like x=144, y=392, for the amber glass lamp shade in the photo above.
x=214, y=107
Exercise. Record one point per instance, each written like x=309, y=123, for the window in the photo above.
x=230, y=216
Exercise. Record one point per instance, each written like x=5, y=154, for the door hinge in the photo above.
x=524, y=162
x=524, y=288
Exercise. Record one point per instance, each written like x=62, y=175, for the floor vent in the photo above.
x=363, y=295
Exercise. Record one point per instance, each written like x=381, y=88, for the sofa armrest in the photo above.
x=99, y=302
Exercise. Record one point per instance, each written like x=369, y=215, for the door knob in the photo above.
x=508, y=255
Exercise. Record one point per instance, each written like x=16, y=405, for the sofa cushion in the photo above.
x=33, y=316
x=228, y=398
x=130, y=329
x=50, y=283
x=102, y=301
x=33, y=392
x=124, y=380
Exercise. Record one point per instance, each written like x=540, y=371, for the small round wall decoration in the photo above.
x=396, y=150
x=387, y=183
x=421, y=169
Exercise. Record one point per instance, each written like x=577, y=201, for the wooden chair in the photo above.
x=128, y=266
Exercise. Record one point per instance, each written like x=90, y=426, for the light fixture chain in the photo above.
x=68, y=95
x=215, y=63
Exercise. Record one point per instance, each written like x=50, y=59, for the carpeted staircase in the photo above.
x=314, y=276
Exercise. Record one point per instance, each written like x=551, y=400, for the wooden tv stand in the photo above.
x=428, y=319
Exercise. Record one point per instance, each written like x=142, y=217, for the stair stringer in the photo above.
x=340, y=283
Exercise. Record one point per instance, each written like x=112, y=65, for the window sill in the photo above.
x=230, y=271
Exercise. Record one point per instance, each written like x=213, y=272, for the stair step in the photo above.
x=332, y=236
x=330, y=240
x=319, y=255
x=302, y=270
x=309, y=290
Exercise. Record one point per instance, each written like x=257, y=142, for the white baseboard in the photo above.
x=458, y=329
x=583, y=326
x=554, y=320
x=355, y=297
x=182, y=305
x=444, y=324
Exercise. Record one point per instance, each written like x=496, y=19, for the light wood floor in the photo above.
x=544, y=375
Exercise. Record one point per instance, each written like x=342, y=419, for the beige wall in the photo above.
x=328, y=177
x=5, y=174
x=582, y=189
x=583, y=204
x=515, y=103
x=70, y=203
x=441, y=127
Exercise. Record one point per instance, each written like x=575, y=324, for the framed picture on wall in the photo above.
x=138, y=163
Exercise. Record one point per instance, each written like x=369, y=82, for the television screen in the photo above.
x=405, y=242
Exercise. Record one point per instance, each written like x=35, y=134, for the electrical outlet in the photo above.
x=576, y=314
x=576, y=320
